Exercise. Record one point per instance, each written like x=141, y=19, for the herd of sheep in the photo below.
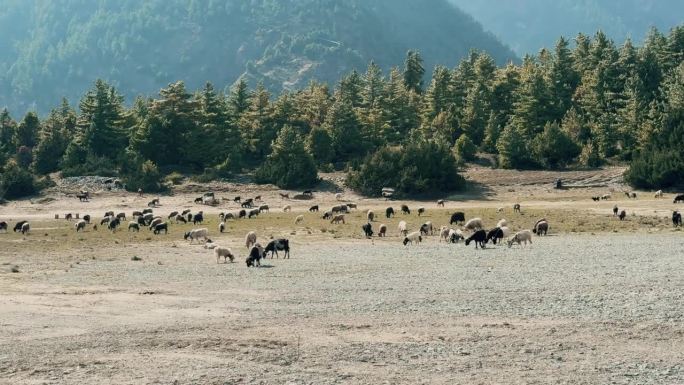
x=472, y=231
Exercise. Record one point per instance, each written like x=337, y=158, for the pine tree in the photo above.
x=8, y=129
x=553, y=148
x=414, y=72
x=345, y=131
x=289, y=165
x=513, y=149
x=102, y=121
x=26, y=133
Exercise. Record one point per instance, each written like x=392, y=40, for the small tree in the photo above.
x=320, y=146
x=289, y=165
x=553, y=148
x=16, y=182
x=464, y=149
x=145, y=175
x=512, y=149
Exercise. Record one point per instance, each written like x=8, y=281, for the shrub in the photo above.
x=145, y=176
x=16, y=182
x=175, y=178
x=464, y=149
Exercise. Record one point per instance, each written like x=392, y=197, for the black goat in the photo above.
x=368, y=230
x=278, y=245
x=389, y=212
x=479, y=237
x=494, y=235
x=405, y=209
x=457, y=217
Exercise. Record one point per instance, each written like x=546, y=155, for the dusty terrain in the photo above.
x=597, y=301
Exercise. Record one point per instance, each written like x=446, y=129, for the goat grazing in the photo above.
x=479, y=237
x=276, y=245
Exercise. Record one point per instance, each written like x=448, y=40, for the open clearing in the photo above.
x=599, y=301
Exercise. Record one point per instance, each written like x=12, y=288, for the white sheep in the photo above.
x=25, y=228
x=521, y=237
x=403, y=228
x=444, y=233
x=474, y=224
x=250, y=239
x=455, y=235
x=502, y=223
x=80, y=225
x=299, y=219
x=413, y=237
x=659, y=194
x=222, y=227
x=197, y=234
x=287, y=208
x=224, y=252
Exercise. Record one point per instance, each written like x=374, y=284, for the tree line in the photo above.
x=582, y=105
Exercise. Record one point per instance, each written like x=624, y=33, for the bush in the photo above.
x=175, y=178
x=289, y=165
x=553, y=148
x=145, y=176
x=419, y=167
x=464, y=149
x=92, y=165
x=16, y=182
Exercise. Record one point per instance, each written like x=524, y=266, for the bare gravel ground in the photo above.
x=571, y=309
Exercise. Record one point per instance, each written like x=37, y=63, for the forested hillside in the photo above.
x=581, y=105
x=527, y=25
x=55, y=48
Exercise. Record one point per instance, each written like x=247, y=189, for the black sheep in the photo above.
x=253, y=213
x=147, y=211
x=141, y=221
x=197, y=218
x=278, y=245
x=3, y=226
x=162, y=226
x=389, y=212
x=494, y=235
x=242, y=214
x=86, y=218
x=457, y=217
x=198, y=200
x=615, y=210
x=479, y=237
x=313, y=209
x=405, y=209
x=254, y=258
x=676, y=219
x=679, y=198
x=623, y=215
x=113, y=224
x=368, y=230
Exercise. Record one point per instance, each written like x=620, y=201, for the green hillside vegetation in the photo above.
x=55, y=48
x=580, y=105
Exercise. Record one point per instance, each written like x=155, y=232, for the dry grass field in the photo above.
x=597, y=301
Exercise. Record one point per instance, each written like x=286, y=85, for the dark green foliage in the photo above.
x=289, y=165
x=553, y=148
x=144, y=175
x=16, y=182
x=26, y=133
x=420, y=167
x=465, y=149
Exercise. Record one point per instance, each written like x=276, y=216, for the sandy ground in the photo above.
x=599, y=306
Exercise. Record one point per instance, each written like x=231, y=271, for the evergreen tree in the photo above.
x=414, y=72
x=553, y=148
x=344, y=129
x=513, y=149
x=289, y=165
x=26, y=133
x=101, y=121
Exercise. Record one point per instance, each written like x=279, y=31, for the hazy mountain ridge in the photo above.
x=57, y=48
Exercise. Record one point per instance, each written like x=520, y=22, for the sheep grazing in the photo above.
x=382, y=232
x=405, y=210
x=3, y=226
x=83, y=196
x=340, y=209
x=313, y=209
x=109, y=214
x=440, y=203
x=403, y=228
x=198, y=218
x=678, y=198
x=137, y=214
x=253, y=213
x=105, y=220
x=541, y=227
x=86, y=218
x=623, y=215
x=186, y=212
x=659, y=194
x=121, y=216
x=337, y=219
x=327, y=215
x=370, y=216
x=198, y=200
x=250, y=239
x=444, y=233
x=228, y=216
x=242, y=214
x=338, y=196
x=161, y=227
x=133, y=226
x=255, y=256
x=25, y=228
x=421, y=211
x=113, y=224
x=368, y=230
x=236, y=199
x=276, y=245
x=145, y=211
x=172, y=215
x=516, y=208
x=287, y=208
x=224, y=252
x=80, y=225
x=180, y=218
x=154, y=203
x=389, y=212
x=413, y=237
x=263, y=208
x=68, y=217
x=247, y=204
x=605, y=197
x=222, y=227
x=502, y=222
x=154, y=223
x=615, y=210
x=426, y=228
x=631, y=195
x=474, y=224
x=351, y=206
x=455, y=235
x=521, y=237
x=676, y=219
x=257, y=198
x=19, y=225
x=299, y=219
x=596, y=198
x=457, y=217
x=494, y=235
x=196, y=235
x=479, y=237
x=141, y=221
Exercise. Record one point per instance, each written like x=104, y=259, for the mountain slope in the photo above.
x=55, y=48
x=528, y=25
